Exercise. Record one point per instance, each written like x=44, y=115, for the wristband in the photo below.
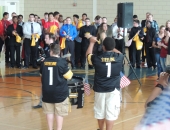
x=160, y=86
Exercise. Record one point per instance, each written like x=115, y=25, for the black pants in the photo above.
x=7, y=51
x=84, y=48
x=143, y=51
x=150, y=55
x=120, y=45
x=77, y=53
x=14, y=49
x=70, y=47
x=134, y=55
x=30, y=50
x=1, y=44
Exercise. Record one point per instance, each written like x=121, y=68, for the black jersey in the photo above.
x=107, y=71
x=54, y=83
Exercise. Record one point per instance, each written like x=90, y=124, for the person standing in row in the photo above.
x=51, y=23
x=119, y=34
x=150, y=51
x=69, y=31
x=12, y=15
x=90, y=29
x=31, y=29
x=158, y=38
x=13, y=31
x=134, y=54
x=4, y=37
x=78, y=24
x=20, y=20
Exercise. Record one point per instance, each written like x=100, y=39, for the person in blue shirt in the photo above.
x=69, y=31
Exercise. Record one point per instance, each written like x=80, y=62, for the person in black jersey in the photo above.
x=106, y=82
x=49, y=39
x=55, y=72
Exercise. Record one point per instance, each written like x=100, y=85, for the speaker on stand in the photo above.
x=125, y=20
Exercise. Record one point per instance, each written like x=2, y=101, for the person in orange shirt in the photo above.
x=4, y=37
x=51, y=26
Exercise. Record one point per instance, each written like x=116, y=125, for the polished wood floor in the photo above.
x=19, y=93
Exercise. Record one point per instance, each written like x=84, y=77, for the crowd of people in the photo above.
x=101, y=44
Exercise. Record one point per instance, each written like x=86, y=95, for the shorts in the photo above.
x=60, y=109
x=107, y=105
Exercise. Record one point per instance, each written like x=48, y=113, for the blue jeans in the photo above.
x=159, y=67
x=163, y=63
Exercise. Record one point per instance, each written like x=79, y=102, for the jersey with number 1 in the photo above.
x=54, y=85
x=107, y=71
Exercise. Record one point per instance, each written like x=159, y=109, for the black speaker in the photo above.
x=125, y=15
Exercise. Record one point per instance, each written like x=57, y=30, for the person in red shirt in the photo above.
x=50, y=23
x=163, y=53
x=43, y=21
x=4, y=37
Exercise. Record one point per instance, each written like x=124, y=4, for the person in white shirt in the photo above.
x=29, y=29
x=119, y=34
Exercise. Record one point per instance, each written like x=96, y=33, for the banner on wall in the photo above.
x=2, y=9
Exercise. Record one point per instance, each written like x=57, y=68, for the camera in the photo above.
x=42, y=54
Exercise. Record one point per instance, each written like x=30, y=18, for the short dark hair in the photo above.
x=97, y=17
x=35, y=15
x=135, y=16
x=84, y=14
x=60, y=15
x=20, y=16
x=51, y=36
x=56, y=13
x=32, y=15
x=51, y=13
x=76, y=16
x=14, y=17
x=87, y=19
x=104, y=18
x=136, y=21
x=55, y=48
x=45, y=13
x=5, y=13
x=109, y=43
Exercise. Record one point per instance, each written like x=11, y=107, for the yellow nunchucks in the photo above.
x=18, y=38
x=144, y=30
x=53, y=29
x=139, y=43
x=63, y=39
x=34, y=39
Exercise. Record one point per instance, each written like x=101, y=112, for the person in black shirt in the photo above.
x=134, y=54
x=12, y=31
x=106, y=82
x=85, y=42
x=150, y=51
x=49, y=39
x=55, y=72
